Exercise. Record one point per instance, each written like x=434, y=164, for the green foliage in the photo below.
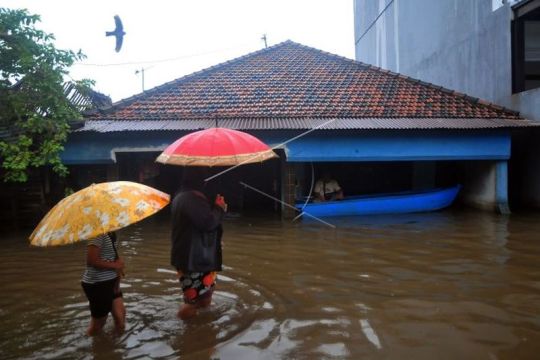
x=33, y=105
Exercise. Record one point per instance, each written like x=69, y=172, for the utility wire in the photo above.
x=374, y=21
x=287, y=205
x=160, y=60
x=273, y=148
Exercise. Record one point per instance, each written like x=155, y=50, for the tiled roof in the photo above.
x=289, y=83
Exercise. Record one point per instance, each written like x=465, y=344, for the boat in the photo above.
x=389, y=203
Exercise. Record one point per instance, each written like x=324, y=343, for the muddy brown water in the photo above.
x=445, y=285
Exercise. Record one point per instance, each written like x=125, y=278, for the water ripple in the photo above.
x=414, y=286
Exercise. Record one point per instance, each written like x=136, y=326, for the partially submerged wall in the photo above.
x=479, y=184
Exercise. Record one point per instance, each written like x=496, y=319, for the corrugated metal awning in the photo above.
x=105, y=126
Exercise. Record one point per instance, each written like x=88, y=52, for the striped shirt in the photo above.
x=106, y=252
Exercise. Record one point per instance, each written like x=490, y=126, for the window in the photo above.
x=526, y=47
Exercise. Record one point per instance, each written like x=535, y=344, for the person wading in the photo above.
x=196, y=241
x=101, y=283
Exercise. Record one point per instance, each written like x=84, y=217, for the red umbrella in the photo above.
x=216, y=147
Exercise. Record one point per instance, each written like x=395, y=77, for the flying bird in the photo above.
x=118, y=33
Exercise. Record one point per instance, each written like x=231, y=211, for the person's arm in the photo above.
x=93, y=259
x=204, y=216
x=319, y=193
x=338, y=191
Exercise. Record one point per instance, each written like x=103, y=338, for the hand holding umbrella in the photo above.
x=220, y=201
x=94, y=213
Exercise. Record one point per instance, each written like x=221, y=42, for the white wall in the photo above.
x=463, y=45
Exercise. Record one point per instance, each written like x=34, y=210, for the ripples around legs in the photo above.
x=442, y=285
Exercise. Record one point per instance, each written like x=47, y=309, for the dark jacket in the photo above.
x=194, y=219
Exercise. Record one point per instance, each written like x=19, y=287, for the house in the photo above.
x=488, y=49
x=376, y=130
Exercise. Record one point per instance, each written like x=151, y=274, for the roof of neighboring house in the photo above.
x=292, y=86
x=82, y=100
x=86, y=99
x=516, y=3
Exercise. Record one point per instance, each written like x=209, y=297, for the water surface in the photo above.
x=446, y=285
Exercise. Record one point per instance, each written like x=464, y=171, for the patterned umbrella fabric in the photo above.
x=96, y=210
x=216, y=147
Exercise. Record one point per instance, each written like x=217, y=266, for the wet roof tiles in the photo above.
x=291, y=86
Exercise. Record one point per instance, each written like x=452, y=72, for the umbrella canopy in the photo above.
x=96, y=210
x=216, y=147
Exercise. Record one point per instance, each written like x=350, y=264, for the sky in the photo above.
x=169, y=39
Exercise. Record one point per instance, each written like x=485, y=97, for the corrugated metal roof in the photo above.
x=105, y=126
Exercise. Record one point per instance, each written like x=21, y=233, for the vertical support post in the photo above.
x=501, y=187
x=112, y=172
x=288, y=191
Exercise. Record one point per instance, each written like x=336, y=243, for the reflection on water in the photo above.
x=442, y=285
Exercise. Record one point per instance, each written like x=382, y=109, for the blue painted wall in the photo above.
x=100, y=148
x=408, y=146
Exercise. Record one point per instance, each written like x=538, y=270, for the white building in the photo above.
x=488, y=49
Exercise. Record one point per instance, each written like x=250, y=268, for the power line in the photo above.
x=159, y=60
x=374, y=21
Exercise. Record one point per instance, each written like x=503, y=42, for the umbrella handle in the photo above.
x=112, y=236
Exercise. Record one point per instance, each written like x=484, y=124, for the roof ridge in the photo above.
x=339, y=57
x=289, y=78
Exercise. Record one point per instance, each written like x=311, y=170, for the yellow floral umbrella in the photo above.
x=96, y=210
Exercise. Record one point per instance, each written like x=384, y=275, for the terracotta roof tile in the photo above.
x=293, y=81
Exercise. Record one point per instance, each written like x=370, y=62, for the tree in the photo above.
x=35, y=111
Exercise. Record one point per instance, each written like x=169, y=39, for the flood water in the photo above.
x=445, y=285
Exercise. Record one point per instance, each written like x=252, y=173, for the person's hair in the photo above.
x=193, y=178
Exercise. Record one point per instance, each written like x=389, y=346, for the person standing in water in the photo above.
x=101, y=283
x=196, y=241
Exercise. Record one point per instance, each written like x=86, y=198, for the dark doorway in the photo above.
x=141, y=167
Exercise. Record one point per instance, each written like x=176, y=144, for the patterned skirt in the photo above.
x=197, y=286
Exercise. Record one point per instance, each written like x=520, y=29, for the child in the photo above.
x=101, y=283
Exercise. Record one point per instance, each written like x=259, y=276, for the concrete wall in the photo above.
x=459, y=44
x=479, y=186
x=464, y=45
x=526, y=102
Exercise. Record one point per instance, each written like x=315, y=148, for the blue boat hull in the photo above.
x=396, y=203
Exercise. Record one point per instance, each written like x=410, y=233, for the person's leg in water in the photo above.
x=96, y=325
x=100, y=298
x=118, y=309
x=187, y=311
x=197, y=296
x=119, y=314
x=205, y=302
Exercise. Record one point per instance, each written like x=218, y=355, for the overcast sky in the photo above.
x=170, y=39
